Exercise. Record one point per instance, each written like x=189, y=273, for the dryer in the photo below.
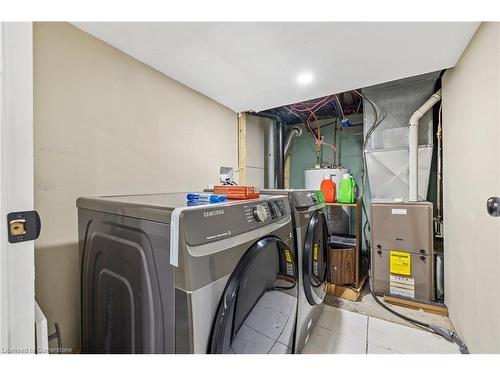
x=311, y=242
x=159, y=276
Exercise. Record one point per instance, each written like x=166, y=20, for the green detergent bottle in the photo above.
x=347, y=189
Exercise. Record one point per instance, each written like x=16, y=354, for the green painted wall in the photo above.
x=349, y=144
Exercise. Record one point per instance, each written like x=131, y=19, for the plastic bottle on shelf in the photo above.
x=328, y=188
x=347, y=189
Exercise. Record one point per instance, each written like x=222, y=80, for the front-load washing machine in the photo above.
x=311, y=242
x=160, y=276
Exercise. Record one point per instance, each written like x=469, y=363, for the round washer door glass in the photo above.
x=257, y=312
x=314, y=261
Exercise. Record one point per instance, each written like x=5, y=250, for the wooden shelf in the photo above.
x=352, y=266
x=341, y=204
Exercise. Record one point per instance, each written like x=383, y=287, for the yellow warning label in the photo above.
x=315, y=251
x=288, y=256
x=400, y=263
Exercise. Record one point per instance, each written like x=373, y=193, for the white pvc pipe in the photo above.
x=413, y=144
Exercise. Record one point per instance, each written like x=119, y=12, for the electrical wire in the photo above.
x=337, y=113
x=334, y=151
x=320, y=103
x=340, y=106
x=309, y=110
x=304, y=120
x=376, y=122
x=359, y=106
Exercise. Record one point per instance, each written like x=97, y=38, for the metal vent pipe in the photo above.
x=279, y=161
x=271, y=156
x=293, y=133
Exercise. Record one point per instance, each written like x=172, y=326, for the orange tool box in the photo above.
x=236, y=191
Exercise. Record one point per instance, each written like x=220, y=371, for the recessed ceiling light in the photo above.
x=305, y=78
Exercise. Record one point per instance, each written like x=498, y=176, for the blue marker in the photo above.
x=212, y=198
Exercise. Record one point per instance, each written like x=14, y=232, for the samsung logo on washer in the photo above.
x=213, y=213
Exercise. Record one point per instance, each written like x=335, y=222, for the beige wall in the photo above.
x=105, y=123
x=471, y=128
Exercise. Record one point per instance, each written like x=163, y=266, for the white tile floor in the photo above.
x=269, y=326
x=340, y=331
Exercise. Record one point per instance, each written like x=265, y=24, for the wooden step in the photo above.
x=438, y=309
x=346, y=292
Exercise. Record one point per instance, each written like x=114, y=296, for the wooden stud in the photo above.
x=242, y=147
x=287, y=173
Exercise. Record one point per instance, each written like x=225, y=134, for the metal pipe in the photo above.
x=336, y=159
x=439, y=137
x=438, y=221
x=339, y=164
x=267, y=115
x=294, y=132
x=271, y=156
x=275, y=161
x=413, y=144
x=280, y=159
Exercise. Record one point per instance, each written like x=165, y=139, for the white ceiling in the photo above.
x=253, y=66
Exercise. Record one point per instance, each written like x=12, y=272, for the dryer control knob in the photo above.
x=259, y=213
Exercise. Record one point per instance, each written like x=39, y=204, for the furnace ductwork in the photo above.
x=387, y=150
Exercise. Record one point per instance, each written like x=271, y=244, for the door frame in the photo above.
x=17, y=266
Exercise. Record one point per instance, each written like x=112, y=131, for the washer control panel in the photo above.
x=259, y=213
x=219, y=221
x=308, y=198
x=277, y=209
x=267, y=211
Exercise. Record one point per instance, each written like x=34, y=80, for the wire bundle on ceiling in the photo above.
x=307, y=112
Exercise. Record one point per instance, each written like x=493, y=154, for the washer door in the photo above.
x=257, y=311
x=314, y=259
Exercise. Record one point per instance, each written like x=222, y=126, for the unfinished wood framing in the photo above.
x=242, y=147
